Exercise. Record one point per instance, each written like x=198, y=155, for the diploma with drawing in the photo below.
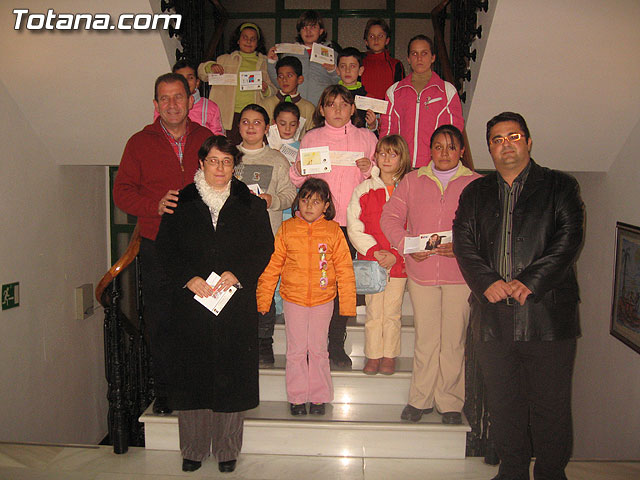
x=215, y=303
x=426, y=241
x=315, y=160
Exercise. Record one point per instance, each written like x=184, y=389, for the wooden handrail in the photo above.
x=447, y=71
x=123, y=262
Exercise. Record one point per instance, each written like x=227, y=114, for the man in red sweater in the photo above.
x=157, y=162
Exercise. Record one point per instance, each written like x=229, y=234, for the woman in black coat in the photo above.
x=218, y=226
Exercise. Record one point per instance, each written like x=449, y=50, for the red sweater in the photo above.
x=381, y=71
x=149, y=168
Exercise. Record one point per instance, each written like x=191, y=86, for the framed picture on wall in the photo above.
x=625, y=309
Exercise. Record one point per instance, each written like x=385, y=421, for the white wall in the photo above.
x=51, y=367
x=66, y=99
x=606, y=392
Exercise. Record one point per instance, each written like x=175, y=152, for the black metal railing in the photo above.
x=127, y=361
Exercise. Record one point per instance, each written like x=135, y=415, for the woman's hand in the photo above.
x=363, y=164
x=385, y=258
x=215, y=68
x=198, y=286
x=420, y=256
x=265, y=86
x=446, y=250
x=168, y=202
x=298, y=167
x=271, y=54
x=267, y=198
x=227, y=279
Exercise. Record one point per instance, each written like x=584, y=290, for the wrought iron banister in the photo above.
x=456, y=69
x=127, y=363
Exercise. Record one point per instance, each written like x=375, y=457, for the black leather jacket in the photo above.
x=547, y=236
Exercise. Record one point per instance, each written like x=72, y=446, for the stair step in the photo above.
x=354, y=344
x=349, y=430
x=353, y=386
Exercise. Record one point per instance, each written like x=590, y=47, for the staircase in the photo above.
x=363, y=421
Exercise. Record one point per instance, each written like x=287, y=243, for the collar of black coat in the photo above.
x=239, y=192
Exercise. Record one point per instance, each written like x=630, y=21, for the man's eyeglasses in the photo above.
x=511, y=138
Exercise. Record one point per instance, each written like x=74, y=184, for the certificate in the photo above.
x=255, y=188
x=426, y=241
x=290, y=152
x=315, y=160
x=321, y=53
x=251, y=80
x=215, y=303
x=291, y=48
x=368, y=103
x=224, y=79
x=346, y=159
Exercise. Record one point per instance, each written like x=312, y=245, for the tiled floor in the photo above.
x=33, y=462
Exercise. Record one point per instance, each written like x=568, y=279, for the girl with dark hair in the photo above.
x=311, y=256
x=424, y=202
x=317, y=77
x=269, y=169
x=246, y=54
x=420, y=103
x=213, y=374
x=336, y=131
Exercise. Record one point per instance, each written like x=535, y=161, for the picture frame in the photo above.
x=625, y=308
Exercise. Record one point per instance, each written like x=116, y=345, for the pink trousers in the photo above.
x=307, y=374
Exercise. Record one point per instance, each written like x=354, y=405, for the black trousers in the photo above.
x=156, y=297
x=530, y=383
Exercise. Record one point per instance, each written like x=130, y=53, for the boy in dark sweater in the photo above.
x=350, y=68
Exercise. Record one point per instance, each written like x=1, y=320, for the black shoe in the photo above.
x=228, y=466
x=316, y=409
x=190, y=465
x=298, y=409
x=265, y=352
x=413, y=414
x=160, y=406
x=453, y=418
x=338, y=357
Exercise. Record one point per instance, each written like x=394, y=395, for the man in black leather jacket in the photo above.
x=517, y=235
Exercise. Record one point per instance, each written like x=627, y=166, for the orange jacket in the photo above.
x=297, y=259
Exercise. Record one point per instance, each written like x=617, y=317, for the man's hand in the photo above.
x=363, y=164
x=267, y=198
x=498, y=291
x=519, y=291
x=329, y=67
x=385, y=258
x=168, y=202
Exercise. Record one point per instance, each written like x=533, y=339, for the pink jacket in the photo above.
x=420, y=202
x=415, y=120
x=205, y=113
x=342, y=179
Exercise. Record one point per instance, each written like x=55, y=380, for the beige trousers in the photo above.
x=441, y=316
x=382, y=323
x=204, y=431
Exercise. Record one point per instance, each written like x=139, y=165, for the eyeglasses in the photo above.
x=511, y=138
x=215, y=162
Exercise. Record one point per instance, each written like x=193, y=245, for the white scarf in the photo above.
x=212, y=198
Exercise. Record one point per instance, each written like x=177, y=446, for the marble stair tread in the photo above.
x=346, y=430
x=403, y=368
x=336, y=413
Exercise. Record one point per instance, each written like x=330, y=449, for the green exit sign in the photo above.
x=10, y=295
